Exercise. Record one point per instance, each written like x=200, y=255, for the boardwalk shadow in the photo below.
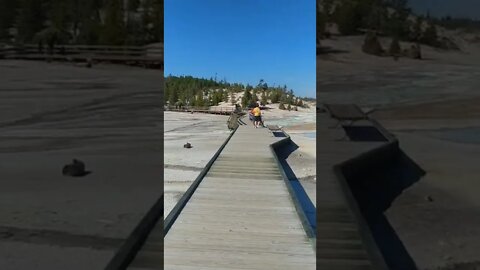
x=375, y=189
x=241, y=122
x=305, y=202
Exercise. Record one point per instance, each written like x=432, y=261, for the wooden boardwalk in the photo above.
x=343, y=239
x=240, y=217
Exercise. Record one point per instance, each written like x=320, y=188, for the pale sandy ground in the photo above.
x=207, y=133
x=432, y=107
x=301, y=126
x=107, y=116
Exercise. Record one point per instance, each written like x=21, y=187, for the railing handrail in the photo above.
x=392, y=142
x=67, y=46
x=177, y=209
x=147, y=51
x=311, y=234
x=128, y=250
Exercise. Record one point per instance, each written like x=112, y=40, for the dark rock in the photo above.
x=187, y=145
x=75, y=169
x=429, y=198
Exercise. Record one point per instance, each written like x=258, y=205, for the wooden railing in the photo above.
x=150, y=55
x=211, y=109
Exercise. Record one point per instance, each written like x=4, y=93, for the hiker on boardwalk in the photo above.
x=257, y=114
x=250, y=115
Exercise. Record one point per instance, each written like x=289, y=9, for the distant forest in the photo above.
x=456, y=23
x=200, y=92
x=388, y=17
x=92, y=22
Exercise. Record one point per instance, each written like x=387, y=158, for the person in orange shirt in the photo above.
x=250, y=115
x=257, y=114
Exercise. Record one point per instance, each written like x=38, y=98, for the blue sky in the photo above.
x=243, y=41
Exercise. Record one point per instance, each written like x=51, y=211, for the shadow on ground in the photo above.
x=375, y=189
x=307, y=205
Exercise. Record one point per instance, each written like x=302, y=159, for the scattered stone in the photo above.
x=75, y=169
x=187, y=145
x=429, y=198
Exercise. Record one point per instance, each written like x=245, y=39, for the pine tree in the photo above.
x=430, y=36
x=290, y=97
x=173, y=98
x=88, y=22
x=300, y=103
x=200, y=102
x=60, y=17
x=321, y=22
x=232, y=97
x=134, y=29
x=417, y=29
x=247, y=97
x=31, y=19
x=152, y=20
x=8, y=10
x=157, y=21
x=114, y=28
x=264, y=97
x=347, y=18
x=395, y=49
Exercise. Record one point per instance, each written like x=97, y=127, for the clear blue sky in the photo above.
x=243, y=41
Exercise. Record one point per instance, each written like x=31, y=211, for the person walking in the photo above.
x=250, y=116
x=257, y=114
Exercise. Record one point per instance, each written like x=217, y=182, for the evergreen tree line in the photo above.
x=455, y=23
x=200, y=92
x=389, y=17
x=92, y=22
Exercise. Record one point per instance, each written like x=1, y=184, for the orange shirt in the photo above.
x=256, y=111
